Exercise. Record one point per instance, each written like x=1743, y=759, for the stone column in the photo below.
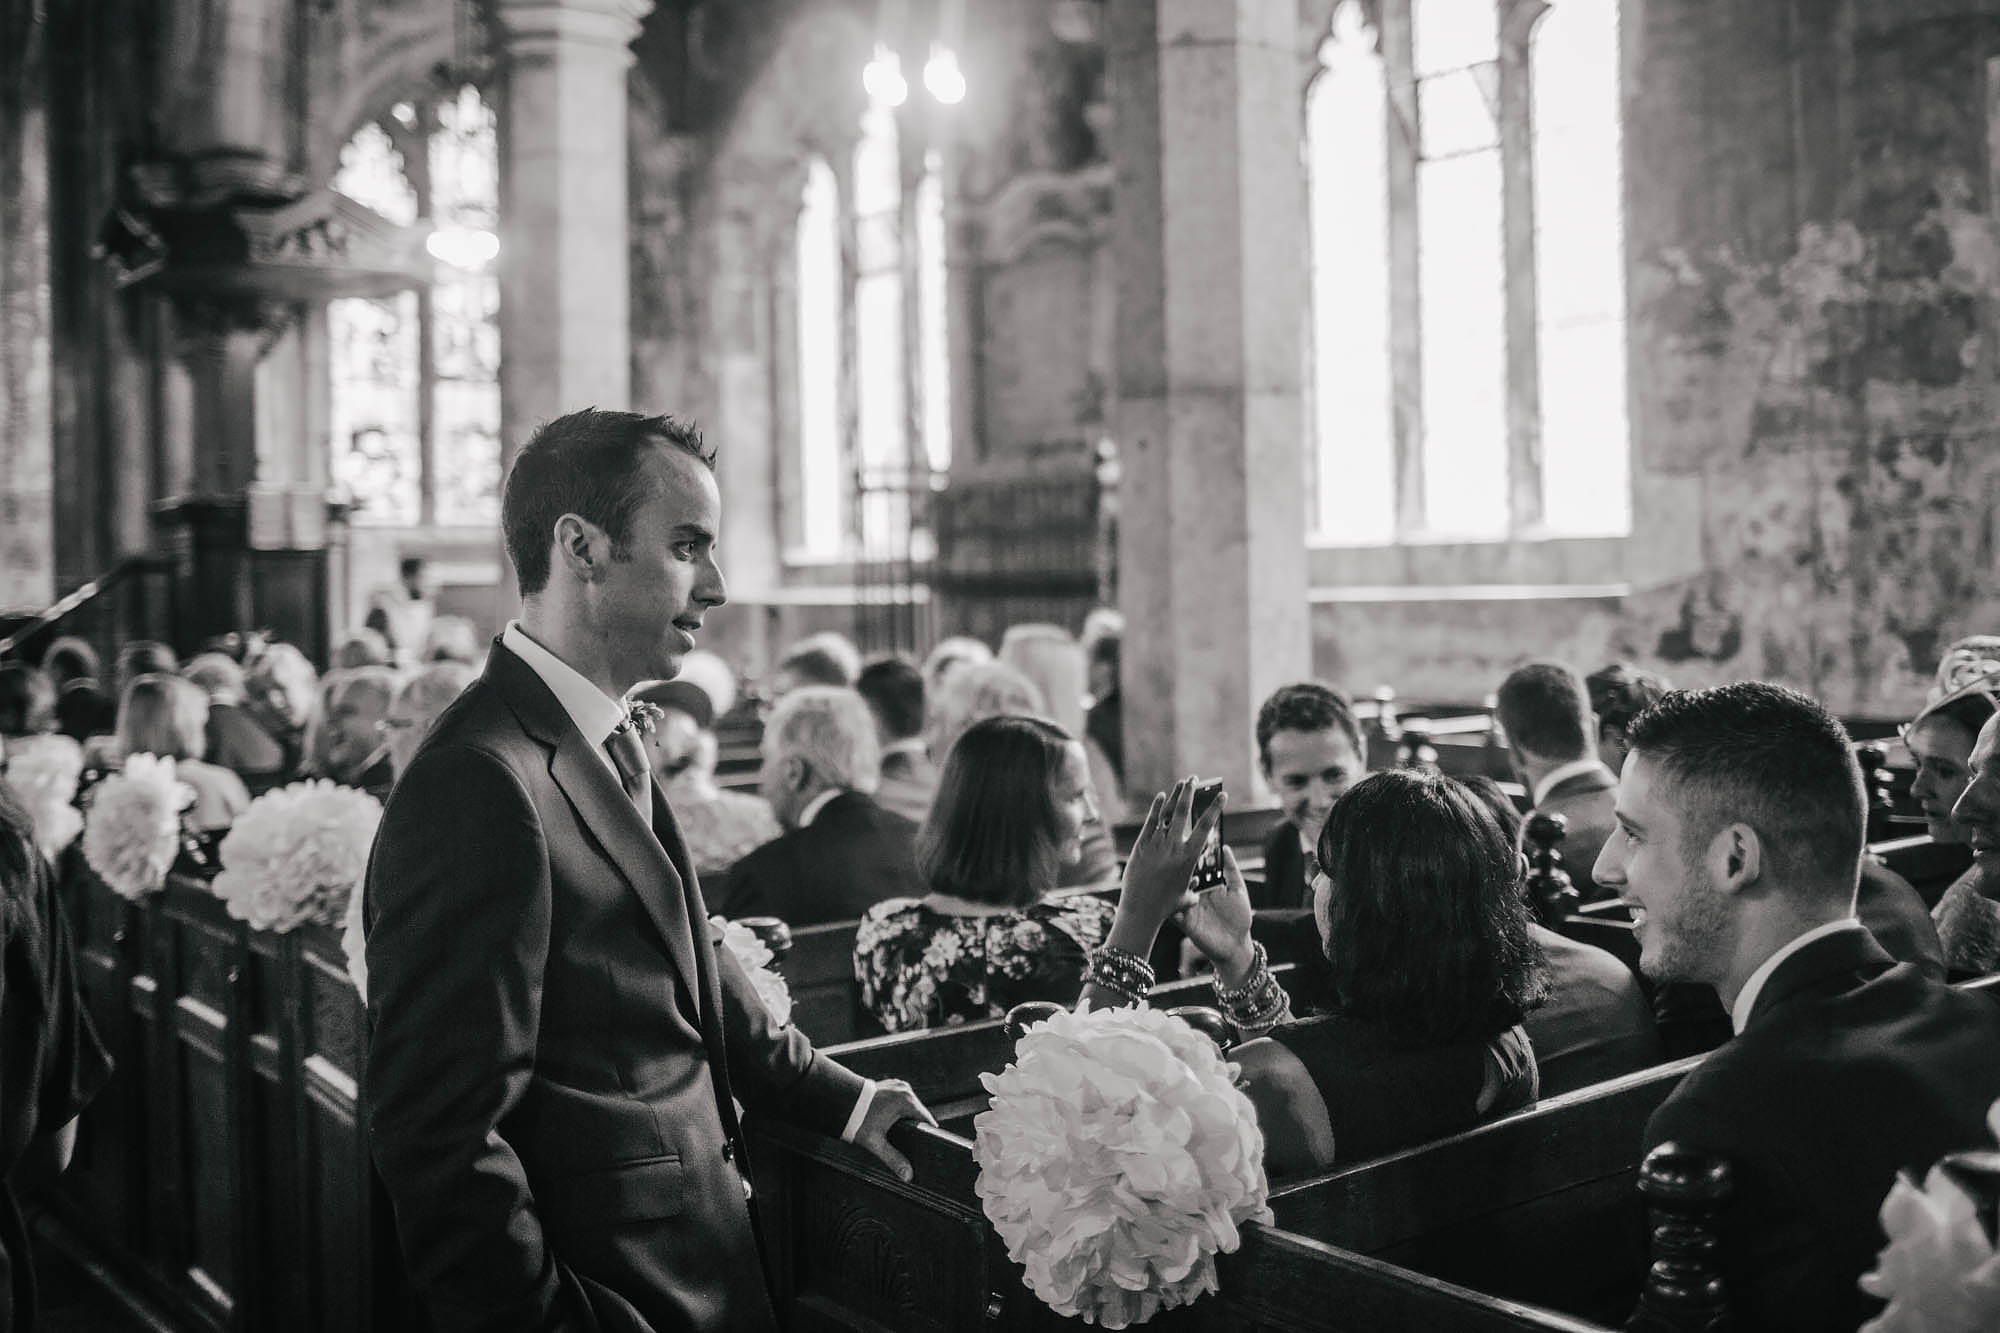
x=565, y=306
x=1211, y=252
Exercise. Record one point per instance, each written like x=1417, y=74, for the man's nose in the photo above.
x=1972, y=802
x=714, y=590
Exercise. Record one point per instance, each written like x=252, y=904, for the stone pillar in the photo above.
x=565, y=306
x=1211, y=250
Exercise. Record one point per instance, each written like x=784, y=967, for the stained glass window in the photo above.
x=416, y=437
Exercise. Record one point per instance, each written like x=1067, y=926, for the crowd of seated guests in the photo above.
x=719, y=826
x=1944, y=740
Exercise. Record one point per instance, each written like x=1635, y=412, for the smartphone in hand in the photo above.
x=1208, y=872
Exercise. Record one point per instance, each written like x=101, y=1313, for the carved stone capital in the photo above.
x=541, y=28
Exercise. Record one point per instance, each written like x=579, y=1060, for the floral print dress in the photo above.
x=921, y=968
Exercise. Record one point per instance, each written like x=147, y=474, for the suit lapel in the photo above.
x=601, y=803
x=1837, y=962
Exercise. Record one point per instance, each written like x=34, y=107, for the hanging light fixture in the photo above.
x=943, y=76
x=883, y=78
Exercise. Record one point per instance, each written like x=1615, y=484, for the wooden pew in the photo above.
x=224, y=1170
x=1397, y=1243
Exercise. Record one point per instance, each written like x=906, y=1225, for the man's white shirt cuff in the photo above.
x=860, y=1111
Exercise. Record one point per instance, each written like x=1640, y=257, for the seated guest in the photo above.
x=994, y=689
x=144, y=657
x=281, y=690
x=168, y=716
x=347, y=742
x=841, y=853
x=359, y=648
x=960, y=650
x=1619, y=693
x=235, y=741
x=1013, y=802
x=1545, y=712
x=1596, y=1023
x=453, y=639
x=1968, y=916
x=27, y=700
x=1104, y=724
x=894, y=691
x=1940, y=739
x=84, y=711
x=1432, y=965
x=70, y=658
x=1054, y=663
x=428, y=691
x=1741, y=819
x=53, y=1060
x=818, y=659
x=1310, y=749
x=719, y=827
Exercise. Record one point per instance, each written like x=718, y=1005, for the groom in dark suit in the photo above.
x=556, y=1043
x=1738, y=841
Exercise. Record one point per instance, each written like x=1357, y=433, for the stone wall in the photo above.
x=27, y=538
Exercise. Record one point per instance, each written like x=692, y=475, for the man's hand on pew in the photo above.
x=895, y=1101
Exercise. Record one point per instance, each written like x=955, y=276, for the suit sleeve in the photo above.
x=774, y=1068
x=742, y=891
x=458, y=909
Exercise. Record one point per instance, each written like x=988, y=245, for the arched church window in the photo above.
x=415, y=409
x=823, y=482
x=854, y=496
x=1468, y=272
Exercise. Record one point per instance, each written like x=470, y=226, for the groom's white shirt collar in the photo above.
x=594, y=713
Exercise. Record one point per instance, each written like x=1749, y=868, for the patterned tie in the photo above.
x=629, y=754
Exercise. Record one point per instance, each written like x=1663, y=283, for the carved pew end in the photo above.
x=1685, y=1190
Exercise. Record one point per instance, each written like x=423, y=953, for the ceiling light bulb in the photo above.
x=883, y=78
x=943, y=76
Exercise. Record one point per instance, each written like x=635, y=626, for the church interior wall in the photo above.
x=1812, y=264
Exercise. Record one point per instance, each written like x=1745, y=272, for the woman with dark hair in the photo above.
x=1012, y=805
x=51, y=1063
x=1430, y=970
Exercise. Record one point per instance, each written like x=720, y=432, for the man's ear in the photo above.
x=1736, y=857
x=796, y=772
x=580, y=546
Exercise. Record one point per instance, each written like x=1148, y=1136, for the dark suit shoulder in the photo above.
x=1895, y=915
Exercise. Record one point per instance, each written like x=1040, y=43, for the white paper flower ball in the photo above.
x=1117, y=1160
x=297, y=854
x=133, y=830
x=756, y=957
x=43, y=772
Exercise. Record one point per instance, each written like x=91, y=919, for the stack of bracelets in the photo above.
x=1260, y=1002
x=1123, y=973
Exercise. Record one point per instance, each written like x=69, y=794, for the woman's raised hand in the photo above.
x=1218, y=923
x=1163, y=856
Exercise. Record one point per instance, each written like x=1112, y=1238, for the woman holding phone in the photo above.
x=1431, y=969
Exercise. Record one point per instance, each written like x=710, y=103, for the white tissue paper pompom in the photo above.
x=1939, y=1272
x=755, y=956
x=297, y=854
x=1117, y=1160
x=43, y=771
x=133, y=831
x=355, y=945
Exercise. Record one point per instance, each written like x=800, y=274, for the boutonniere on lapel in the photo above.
x=641, y=717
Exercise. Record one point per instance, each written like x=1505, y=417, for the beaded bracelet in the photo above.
x=1264, y=1010
x=1120, y=971
x=1260, y=972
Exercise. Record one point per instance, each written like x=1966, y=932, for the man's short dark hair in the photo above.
x=1620, y=692
x=894, y=690
x=412, y=565
x=1766, y=756
x=1306, y=706
x=588, y=463
x=1546, y=711
x=810, y=664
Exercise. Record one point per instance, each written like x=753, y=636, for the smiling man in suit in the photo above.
x=1739, y=841
x=556, y=1043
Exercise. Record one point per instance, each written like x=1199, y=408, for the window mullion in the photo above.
x=1517, y=19
x=1403, y=129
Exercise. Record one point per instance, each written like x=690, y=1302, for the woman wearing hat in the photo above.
x=1940, y=739
x=719, y=826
